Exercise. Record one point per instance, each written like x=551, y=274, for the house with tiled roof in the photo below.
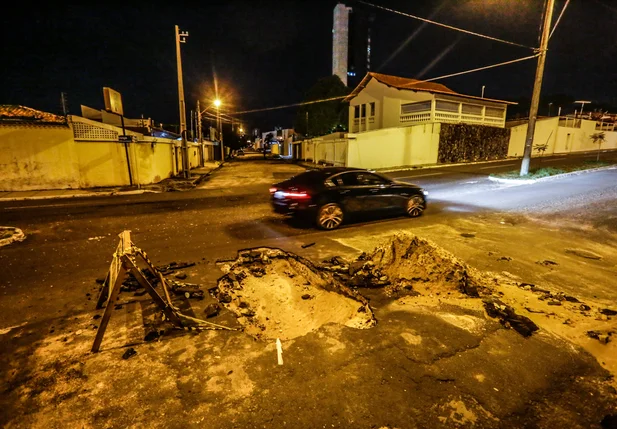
x=385, y=101
x=15, y=114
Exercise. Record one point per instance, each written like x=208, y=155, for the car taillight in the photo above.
x=296, y=194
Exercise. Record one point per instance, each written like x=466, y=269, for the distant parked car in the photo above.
x=330, y=195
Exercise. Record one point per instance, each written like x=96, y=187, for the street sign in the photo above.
x=125, y=139
x=113, y=101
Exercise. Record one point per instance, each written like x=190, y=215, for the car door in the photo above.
x=373, y=191
x=348, y=193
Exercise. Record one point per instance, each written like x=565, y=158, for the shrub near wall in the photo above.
x=468, y=143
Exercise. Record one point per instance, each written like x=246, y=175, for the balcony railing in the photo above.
x=450, y=117
x=415, y=118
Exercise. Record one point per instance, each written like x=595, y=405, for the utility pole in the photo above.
x=200, y=137
x=181, y=38
x=537, y=87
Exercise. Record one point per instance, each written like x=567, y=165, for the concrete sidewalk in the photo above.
x=197, y=174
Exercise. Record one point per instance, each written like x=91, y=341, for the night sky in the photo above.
x=269, y=53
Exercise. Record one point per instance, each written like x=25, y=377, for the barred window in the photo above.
x=494, y=112
x=447, y=106
x=422, y=106
x=472, y=109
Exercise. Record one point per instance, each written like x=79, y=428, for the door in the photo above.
x=374, y=190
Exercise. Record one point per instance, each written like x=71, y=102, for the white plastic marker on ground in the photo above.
x=279, y=351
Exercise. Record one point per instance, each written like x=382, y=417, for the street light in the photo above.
x=582, y=103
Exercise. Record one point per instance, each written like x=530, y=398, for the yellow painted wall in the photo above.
x=101, y=164
x=153, y=162
x=546, y=132
x=562, y=139
x=394, y=147
x=34, y=158
x=194, y=155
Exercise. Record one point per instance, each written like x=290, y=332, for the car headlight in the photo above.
x=424, y=192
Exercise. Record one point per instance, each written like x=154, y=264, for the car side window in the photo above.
x=368, y=179
x=345, y=179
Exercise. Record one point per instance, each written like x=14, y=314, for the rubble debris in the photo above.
x=584, y=307
x=603, y=336
x=508, y=317
x=181, y=276
x=554, y=302
x=152, y=335
x=531, y=310
x=100, y=281
x=96, y=316
x=193, y=290
x=468, y=234
x=9, y=234
x=306, y=296
x=130, y=352
x=505, y=258
x=608, y=312
x=173, y=266
x=547, y=263
x=304, y=246
x=212, y=310
x=584, y=254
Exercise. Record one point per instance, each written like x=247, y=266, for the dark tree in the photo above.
x=326, y=117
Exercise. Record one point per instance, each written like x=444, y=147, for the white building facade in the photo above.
x=384, y=101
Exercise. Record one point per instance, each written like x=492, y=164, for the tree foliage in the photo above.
x=326, y=117
x=598, y=138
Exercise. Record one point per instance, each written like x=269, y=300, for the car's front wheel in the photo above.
x=330, y=216
x=415, y=206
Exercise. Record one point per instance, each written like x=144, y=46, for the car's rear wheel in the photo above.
x=415, y=206
x=330, y=216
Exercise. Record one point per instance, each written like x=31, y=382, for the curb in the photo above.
x=546, y=179
x=18, y=235
x=91, y=194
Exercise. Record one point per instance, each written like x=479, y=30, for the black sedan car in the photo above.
x=330, y=195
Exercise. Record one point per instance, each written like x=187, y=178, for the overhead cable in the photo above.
x=291, y=105
x=482, y=68
x=473, y=33
x=559, y=18
x=419, y=82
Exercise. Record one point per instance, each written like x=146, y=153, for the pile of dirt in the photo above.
x=410, y=265
x=276, y=294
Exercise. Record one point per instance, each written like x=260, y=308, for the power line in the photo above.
x=291, y=105
x=420, y=82
x=482, y=68
x=473, y=33
x=559, y=18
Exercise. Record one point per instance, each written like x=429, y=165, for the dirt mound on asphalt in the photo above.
x=410, y=265
x=276, y=294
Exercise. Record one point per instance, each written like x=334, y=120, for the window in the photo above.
x=345, y=179
x=369, y=179
x=472, y=109
x=363, y=111
x=422, y=106
x=494, y=112
x=372, y=108
x=446, y=106
x=356, y=111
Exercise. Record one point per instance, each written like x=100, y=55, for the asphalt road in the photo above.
x=47, y=293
